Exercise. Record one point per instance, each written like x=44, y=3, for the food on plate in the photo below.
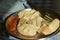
x=30, y=24
x=27, y=30
x=12, y=23
x=26, y=13
x=50, y=28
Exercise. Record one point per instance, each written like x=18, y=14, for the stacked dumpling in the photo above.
x=29, y=23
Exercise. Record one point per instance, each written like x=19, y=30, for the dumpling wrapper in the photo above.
x=52, y=27
x=27, y=29
x=26, y=14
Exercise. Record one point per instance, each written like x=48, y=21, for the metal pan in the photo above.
x=43, y=12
